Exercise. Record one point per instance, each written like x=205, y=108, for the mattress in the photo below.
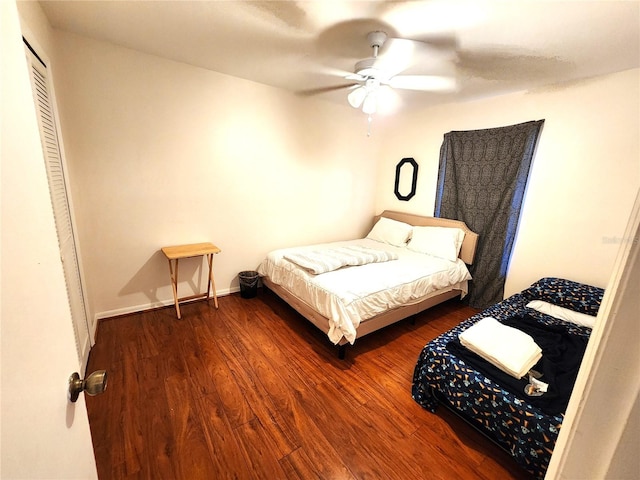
x=351, y=295
x=523, y=429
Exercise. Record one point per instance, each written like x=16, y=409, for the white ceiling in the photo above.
x=308, y=46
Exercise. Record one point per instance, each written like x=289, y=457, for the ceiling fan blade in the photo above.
x=321, y=90
x=433, y=83
x=395, y=56
x=356, y=77
x=399, y=54
x=333, y=72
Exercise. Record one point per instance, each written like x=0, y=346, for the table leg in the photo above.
x=174, y=285
x=212, y=282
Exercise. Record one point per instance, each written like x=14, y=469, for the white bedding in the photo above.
x=511, y=350
x=350, y=295
x=325, y=260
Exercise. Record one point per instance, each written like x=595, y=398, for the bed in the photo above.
x=423, y=263
x=525, y=425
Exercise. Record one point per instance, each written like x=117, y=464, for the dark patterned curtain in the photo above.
x=481, y=181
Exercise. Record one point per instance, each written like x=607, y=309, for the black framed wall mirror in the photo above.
x=406, y=179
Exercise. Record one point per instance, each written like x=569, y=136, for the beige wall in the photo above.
x=583, y=179
x=162, y=153
x=598, y=422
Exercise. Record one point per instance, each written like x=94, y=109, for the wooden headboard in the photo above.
x=469, y=244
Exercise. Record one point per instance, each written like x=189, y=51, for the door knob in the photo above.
x=94, y=384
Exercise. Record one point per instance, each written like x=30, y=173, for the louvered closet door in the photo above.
x=61, y=209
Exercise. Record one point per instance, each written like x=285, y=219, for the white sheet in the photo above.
x=350, y=295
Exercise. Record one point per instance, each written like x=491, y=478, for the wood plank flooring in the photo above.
x=253, y=391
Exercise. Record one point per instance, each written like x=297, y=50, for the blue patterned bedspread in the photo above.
x=525, y=431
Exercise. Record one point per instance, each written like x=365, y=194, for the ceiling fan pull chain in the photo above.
x=369, y=121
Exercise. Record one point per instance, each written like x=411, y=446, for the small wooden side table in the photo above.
x=175, y=253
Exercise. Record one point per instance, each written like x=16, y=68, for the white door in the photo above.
x=51, y=149
x=43, y=435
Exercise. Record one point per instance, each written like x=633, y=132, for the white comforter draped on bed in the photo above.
x=350, y=295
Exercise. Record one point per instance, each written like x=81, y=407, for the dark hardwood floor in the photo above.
x=252, y=390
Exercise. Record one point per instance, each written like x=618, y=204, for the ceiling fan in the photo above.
x=392, y=56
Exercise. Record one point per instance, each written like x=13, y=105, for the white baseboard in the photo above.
x=150, y=306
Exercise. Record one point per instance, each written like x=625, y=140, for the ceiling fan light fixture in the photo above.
x=357, y=96
x=370, y=104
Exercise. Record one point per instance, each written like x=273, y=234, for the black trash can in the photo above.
x=248, y=283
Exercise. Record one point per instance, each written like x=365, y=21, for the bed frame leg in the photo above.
x=341, y=351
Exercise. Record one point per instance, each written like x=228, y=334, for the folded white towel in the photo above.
x=509, y=349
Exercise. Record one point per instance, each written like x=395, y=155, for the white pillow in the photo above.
x=391, y=231
x=563, y=313
x=442, y=242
